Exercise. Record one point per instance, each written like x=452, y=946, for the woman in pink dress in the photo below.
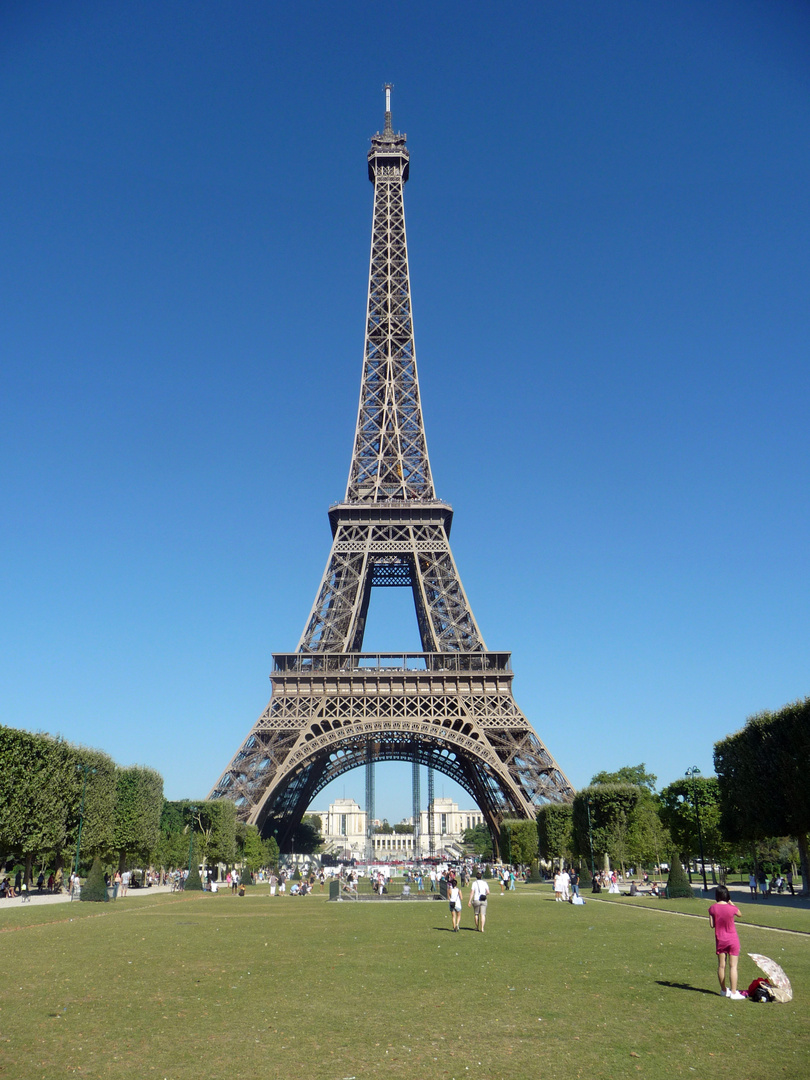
x=722, y=914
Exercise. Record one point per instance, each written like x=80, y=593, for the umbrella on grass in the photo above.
x=782, y=990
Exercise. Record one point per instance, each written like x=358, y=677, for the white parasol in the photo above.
x=781, y=983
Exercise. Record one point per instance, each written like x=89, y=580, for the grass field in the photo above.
x=757, y=913
x=174, y=986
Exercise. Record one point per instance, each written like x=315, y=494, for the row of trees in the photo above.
x=48, y=788
x=757, y=805
x=763, y=775
x=210, y=833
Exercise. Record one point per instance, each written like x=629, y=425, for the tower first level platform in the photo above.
x=453, y=712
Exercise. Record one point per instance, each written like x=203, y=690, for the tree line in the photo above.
x=50, y=789
x=754, y=812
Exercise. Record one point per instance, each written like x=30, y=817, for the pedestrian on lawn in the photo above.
x=722, y=914
x=478, y=901
x=454, y=897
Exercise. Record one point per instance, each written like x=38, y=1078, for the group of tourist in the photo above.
x=760, y=884
x=566, y=885
x=9, y=889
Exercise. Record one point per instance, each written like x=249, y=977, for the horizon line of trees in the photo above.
x=754, y=813
x=757, y=808
x=48, y=787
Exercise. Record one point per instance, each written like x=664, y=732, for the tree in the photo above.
x=99, y=802
x=555, y=831
x=611, y=807
x=628, y=774
x=138, y=807
x=677, y=882
x=480, y=840
x=789, y=854
x=680, y=815
x=252, y=853
x=193, y=881
x=95, y=887
x=647, y=836
x=46, y=786
x=307, y=836
x=518, y=840
x=215, y=825
x=172, y=846
x=762, y=771
x=270, y=852
x=403, y=829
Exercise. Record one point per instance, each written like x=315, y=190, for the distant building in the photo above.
x=344, y=831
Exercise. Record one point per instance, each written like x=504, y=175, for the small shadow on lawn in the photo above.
x=686, y=986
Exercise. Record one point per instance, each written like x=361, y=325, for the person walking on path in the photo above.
x=478, y=901
x=722, y=914
x=454, y=897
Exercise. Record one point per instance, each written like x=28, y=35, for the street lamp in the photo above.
x=85, y=770
x=590, y=838
x=691, y=774
x=192, y=810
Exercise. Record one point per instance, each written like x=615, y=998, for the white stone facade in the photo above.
x=344, y=831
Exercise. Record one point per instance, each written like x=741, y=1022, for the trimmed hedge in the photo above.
x=95, y=887
x=678, y=882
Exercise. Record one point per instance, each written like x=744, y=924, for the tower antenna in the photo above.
x=388, y=88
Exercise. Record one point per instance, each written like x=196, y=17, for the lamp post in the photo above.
x=192, y=810
x=85, y=770
x=590, y=838
x=691, y=774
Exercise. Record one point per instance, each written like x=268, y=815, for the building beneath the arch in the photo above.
x=343, y=827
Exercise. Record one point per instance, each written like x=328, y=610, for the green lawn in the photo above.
x=176, y=987
x=782, y=916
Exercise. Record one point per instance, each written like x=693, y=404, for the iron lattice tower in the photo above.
x=334, y=708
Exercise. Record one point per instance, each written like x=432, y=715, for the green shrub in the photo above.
x=678, y=882
x=95, y=887
x=534, y=874
x=193, y=881
x=585, y=879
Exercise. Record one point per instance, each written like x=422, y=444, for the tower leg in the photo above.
x=370, y=810
x=417, y=804
x=431, y=822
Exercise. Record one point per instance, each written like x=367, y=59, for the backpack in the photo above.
x=760, y=990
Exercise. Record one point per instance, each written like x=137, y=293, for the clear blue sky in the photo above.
x=609, y=228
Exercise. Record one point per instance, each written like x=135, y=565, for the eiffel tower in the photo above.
x=335, y=708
